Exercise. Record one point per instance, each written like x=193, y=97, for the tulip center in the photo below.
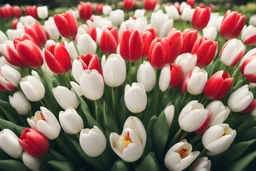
x=183, y=152
x=225, y=131
x=39, y=116
x=127, y=140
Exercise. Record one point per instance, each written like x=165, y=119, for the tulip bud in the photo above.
x=129, y=4
x=169, y=112
x=109, y=40
x=116, y=17
x=42, y=12
x=9, y=78
x=222, y=139
x=189, y=39
x=20, y=103
x=37, y=32
x=187, y=61
x=144, y=71
x=150, y=5
x=182, y=6
x=240, y=99
x=93, y=141
x=249, y=36
x=201, y=17
x=71, y=49
x=31, y=162
x=219, y=112
x=148, y=36
x=33, y=88
x=71, y=122
x=187, y=14
x=139, y=13
x=247, y=68
x=210, y=33
x=172, y=12
x=9, y=143
x=175, y=42
x=85, y=44
x=180, y=156
x=135, y=97
x=157, y=21
x=130, y=145
x=85, y=10
x=106, y=9
x=201, y=164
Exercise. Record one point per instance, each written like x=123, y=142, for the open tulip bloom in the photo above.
x=105, y=87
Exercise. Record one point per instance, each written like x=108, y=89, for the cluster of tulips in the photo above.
x=101, y=92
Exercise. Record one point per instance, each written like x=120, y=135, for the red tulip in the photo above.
x=175, y=42
x=99, y=9
x=251, y=107
x=66, y=24
x=131, y=45
x=247, y=68
x=176, y=75
x=129, y=4
x=150, y=5
x=90, y=62
x=109, y=40
x=218, y=85
x=201, y=17
x=37, y=32
x=205, y=50
x=7, y=11
x=17, y=11
x=14, y=23
x=93, y=33
x=189, y=39
x=159, y=52
x=57, y=58
x=32, y=11
x=191, y=3
x=33, y=142
x=148, y=36
x=85, y=10
x=232, y=24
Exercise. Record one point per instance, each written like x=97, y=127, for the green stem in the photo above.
x=235, y=72
x=183, y=136
x=96, y=110
x=176, y=137
x=42, y=103
x=203, y=153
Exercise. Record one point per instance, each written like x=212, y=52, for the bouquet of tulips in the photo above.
x=125, y=91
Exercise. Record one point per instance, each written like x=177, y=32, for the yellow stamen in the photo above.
x=127, y=140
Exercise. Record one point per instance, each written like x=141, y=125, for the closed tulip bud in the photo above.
x=129, y=4
x=9, y=78
x=158, y=20
x=71, y=49
x=36, y=31
x=92, y=84
x=109, y=40
x=210, y=33
x=33, y=142
x=3, y=37
x=33, y=88
x=70, y=121
x=32, y=11
x=201, y=17
x=222, y=139
x=175, y=42
x=17, y=11
x=169, y=112
x=116, y=17
x=42, y=12
x=85, y=44
x=66, y=24
x=148, y=36
x=187, y=14
x=150, y=5
x=180, y=156
x=218, y=111
x=249, y=35
x=247, y=68
x=51, y=28
x=139, y=13
x=232, y=52
x=172, y=12
x=189, y=39
x=31, y=162
x=20, y=103
x=45, y=122
x=85, y=10
x=93, y=141
x=9, y=143
x=144, y=71
x=187, y=61
x=240, y=99
x=195, y=81
x=252, y=20
x=106, y=9
x=232, y=25
x=218, y=85
x=201, y=164
x=129, y=146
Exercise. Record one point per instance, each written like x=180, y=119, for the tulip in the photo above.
x=114, y=70
x=31, y=162
x=251, y=107
x=252, y=20
x=187, y=14
x=46, y=123
x=51, y=28
x=194, y=117
x=219, y=112
x=218, y=138
x=145, y=69
x=42, y=12
x=205, y=51
x=19, y=102
x=180, y=156
x=109, y=40
x=9, y=78
x=99, y=9
x=57, y=58
x=191, y=3
x=66, y=24
x=9, y=143
x=2, y=37
x=232, y=24
x=70, y=47
x=210, y=33
x=195, y=81
x=218, y=85
x=232, y=52
x=32, y=11
x=182, y=6
x=249, y=35
x=129, y=146
x=139, y=13
x=175, y=42
x=106, y=9
x=172, y=12
x=159, y=52
x=150, y=5
x=33, y=88
x=160, y=22
x=135, y=97
x=250, y=53
x=93, y=141
x=129, y=4
x=33, y=142
x=13, y=34
x=240, y=99
x=70, y=121
x=17, y=11
x=116, y=17
x=37, y=32
x=85, y=44
x=201, y=164
x=92, y=84
x=247, y=68
x=128, y=51
x=148, y=36
x=85, y=10
x=187, y=61
x=201, y=17
x=27, y=20
x=169, y=112
x=189, y=39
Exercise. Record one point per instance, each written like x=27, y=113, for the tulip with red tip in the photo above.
x=201, y=17
x=6, y=11
x=37, y=32
x=17, y=11
x=32, y=11
x=66, y=24
x=189, y=39
x=9, y=78
x=249, y=36
x=232, y=25
x=150, y=5
x=218, y=85
x=109, y=40
x=129, y=4
x=205, y=50
x=131, y=45
x=248, y=68
x=148, y=36
x=33, y=142
x=175, y=42
x=85, y=10
x=57, y=58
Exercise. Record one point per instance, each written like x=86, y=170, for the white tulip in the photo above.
x=219, y=112
x=42, y=12
x=187, y=61
x=187, y=14
x=106, y=9
x=27, y=20
x=215, y=21
x=218, y=138
x=240, y=99
x=93, y=141
x=172, y=12
x=130, y=145
x=116, y=17
x=248, y=33
x=252, y=20
x=9, y=143
x=164, y=79
x=101, y=23
x=3, y=37
x=167, y=26
x=169, y=112
x=114, y=70
x=71, y=49
x=139, y=13
x=146, y=75
x=201, y=164
x=31, y=162
x=180, y=156
x=135, y=97
x=76, y=88
x=157, y=20
x=20, y=103
x=47, y=71
x=45, y=122
x=77, y=70
x=9, y=77
x=13, y=34
x=210, y=33
x=85, y=44
x=51, y=28
x=71, y=122
x=183, y=5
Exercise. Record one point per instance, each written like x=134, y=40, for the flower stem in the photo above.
x=176, y=137
x=203, y=153
x=96, y=110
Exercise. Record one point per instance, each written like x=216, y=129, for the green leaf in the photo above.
x=149, y=163
x=61, y=166
x=4, y=124
x=148, y=146
x=57, y=155
x=243, y=162
x=120, y=166
x=11, y=165
x=3, y=155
